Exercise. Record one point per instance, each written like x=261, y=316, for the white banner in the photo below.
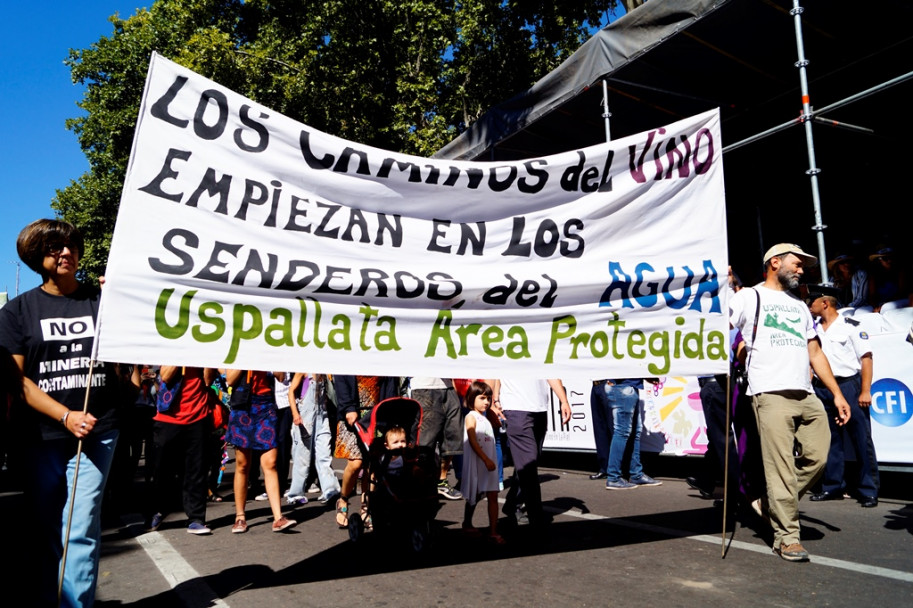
x=892, y=399
x=674, y=419
x=670, y=411
x=247, y=240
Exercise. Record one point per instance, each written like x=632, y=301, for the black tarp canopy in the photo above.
x=674, y=58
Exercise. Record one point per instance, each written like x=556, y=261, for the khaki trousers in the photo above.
x=783, y=418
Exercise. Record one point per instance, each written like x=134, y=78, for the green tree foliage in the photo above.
x=403, y=75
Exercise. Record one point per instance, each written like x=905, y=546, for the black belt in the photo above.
x=839, y=379
x=719, y=379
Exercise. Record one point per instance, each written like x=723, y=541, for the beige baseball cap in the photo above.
x=783, y=248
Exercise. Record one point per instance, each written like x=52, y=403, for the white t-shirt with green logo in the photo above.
x=778, y=358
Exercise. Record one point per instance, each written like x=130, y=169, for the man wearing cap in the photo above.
x=888, y=281
x=852, y=283
x=847, y=349
x=781, y=343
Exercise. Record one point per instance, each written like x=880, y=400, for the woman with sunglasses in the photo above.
x=49, y=331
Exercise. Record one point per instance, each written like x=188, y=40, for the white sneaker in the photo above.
x=297, y=500
x=261, y=497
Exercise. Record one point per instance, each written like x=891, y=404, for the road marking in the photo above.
x=190, y=588
x=898, y=575
x=184, y=580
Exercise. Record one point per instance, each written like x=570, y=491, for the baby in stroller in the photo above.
x=402, y=499
x=394, y=443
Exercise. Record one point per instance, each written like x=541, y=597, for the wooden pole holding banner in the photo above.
x=66, y=535
x=85, y=410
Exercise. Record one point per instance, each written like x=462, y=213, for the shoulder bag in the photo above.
x=241, y=397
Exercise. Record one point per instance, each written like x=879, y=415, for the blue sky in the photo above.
x=38, y=156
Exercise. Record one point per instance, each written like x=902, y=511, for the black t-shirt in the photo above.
x=54, y=334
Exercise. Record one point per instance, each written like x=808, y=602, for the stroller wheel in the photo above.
x=356, y=527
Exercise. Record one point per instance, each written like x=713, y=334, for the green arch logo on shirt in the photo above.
x=773, y=322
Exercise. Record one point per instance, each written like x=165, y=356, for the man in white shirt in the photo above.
x=525, y=403
x=781, y=343
x=847, y=348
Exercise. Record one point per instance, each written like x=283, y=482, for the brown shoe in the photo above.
x=283, y=523
x=792, y=553
x=240, y=526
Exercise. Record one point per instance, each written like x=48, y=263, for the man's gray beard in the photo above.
x=788, y=280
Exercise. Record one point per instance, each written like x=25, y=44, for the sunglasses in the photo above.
x=57, y=247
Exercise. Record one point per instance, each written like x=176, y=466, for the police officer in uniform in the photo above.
x=846, y=345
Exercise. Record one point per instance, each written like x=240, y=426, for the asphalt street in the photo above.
x=651, y=546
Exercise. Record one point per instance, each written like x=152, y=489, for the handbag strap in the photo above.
x=246, y=380
x=754, y=328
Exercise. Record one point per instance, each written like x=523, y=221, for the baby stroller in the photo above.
x=403, y=500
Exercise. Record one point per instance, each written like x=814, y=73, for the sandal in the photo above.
x=497, y=539
x=342, y=512
x=213, y=497
x=366, y=518
x=240, y=526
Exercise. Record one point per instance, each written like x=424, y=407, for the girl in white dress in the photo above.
x=480, y=468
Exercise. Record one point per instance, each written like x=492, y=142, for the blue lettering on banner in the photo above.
x=643, y=288
x=892, y=402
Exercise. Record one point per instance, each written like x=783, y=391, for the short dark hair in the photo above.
x=831, y=301
x=40, y=236
x=475, y=389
